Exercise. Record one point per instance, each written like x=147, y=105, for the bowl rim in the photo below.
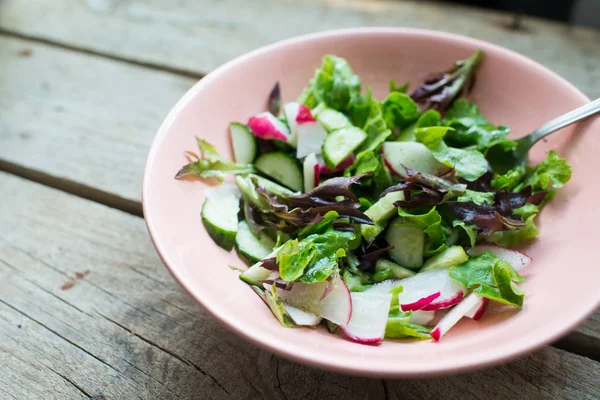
x=470, y=363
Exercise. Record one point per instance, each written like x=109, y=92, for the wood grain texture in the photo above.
x=200, y=35
x=87, y=309
x=58, y=121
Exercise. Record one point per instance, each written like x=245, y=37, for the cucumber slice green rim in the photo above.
x=251, y=247
x=219, y=214
x=243, y=143
x=341, y=143
x=282, y=167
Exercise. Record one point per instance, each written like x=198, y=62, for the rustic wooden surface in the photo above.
x=86, y=308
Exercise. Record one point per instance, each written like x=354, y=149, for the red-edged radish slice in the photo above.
x=267, y=126
x=422, y=317
x=340, y=167
x=301, y=317
x=311, y=136
x=311, y=171
x=337, y=305
x=453, y=316
x=413, y=155
x=515, y=258
x=479, y=309
x=420, y=303
x=296, y=114
x=369, y=317
x=430, y=290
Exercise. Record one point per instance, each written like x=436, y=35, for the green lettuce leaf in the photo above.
x=399, y=110
x=477, y=197
x=400, y=89
x=490, y=277
x=552, y=173
x=509, y=180
x=333, y=84
x=398, y=324
x=369, y=161
x=470, y=128
x=366, y=113
x=210, y=164
x=470, y=231
x=314, y=258
x=516, y=237
x=469, y=164
x=431, y=223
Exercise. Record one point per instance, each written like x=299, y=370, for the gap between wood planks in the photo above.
x=150, y=65
x=575, y=342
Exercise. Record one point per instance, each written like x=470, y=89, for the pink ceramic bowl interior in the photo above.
x=562, y=282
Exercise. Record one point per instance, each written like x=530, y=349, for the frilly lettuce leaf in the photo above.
x=431, y=223
x=366, y=113
x=490, y=277
x=552, y=173
x=399, y=110
x=334, y=84
x=314, y=258
x=471, y=129
x=210, y=164
x=476, y=197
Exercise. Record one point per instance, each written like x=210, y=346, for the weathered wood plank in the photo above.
x=57, y=123
x=84, y=299
x=201, y=35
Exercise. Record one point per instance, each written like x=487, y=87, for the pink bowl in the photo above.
x=562, y=282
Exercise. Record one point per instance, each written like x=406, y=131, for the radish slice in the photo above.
x=311, y=172
x=267, y=126
x=311, y=136
x=369, y=317
x=301, y=317
x=430, y=290
x=337, y=305
x=422, y=317
x=453, y=316
x=479, y=309
x=515, y=258
x=296, y=114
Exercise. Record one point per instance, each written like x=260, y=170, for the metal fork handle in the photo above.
x=557, y=123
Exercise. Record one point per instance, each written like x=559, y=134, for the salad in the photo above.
x=379, y=219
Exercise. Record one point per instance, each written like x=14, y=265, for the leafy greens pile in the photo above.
x=341, y=228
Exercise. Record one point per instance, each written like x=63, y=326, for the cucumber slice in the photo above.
x=341, y=143
x=332, y=119
x=256, y=274
x=250, y=247
x=219, y=214
x=450, y=257
x=408, y=242
x=384, y=208
x=397, y=271
x=283, y=168
x=413, y=155
x=380, y=212
x=243, y=143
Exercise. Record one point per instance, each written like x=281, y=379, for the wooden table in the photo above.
x=86, y=307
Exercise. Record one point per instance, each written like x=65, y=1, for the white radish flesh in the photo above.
x=515, y=258
x=422, y=317
x=369, y=317
x=311, y=172
x=301, y=317
x=311, y=136
x=430, y=290
x=453, y=316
